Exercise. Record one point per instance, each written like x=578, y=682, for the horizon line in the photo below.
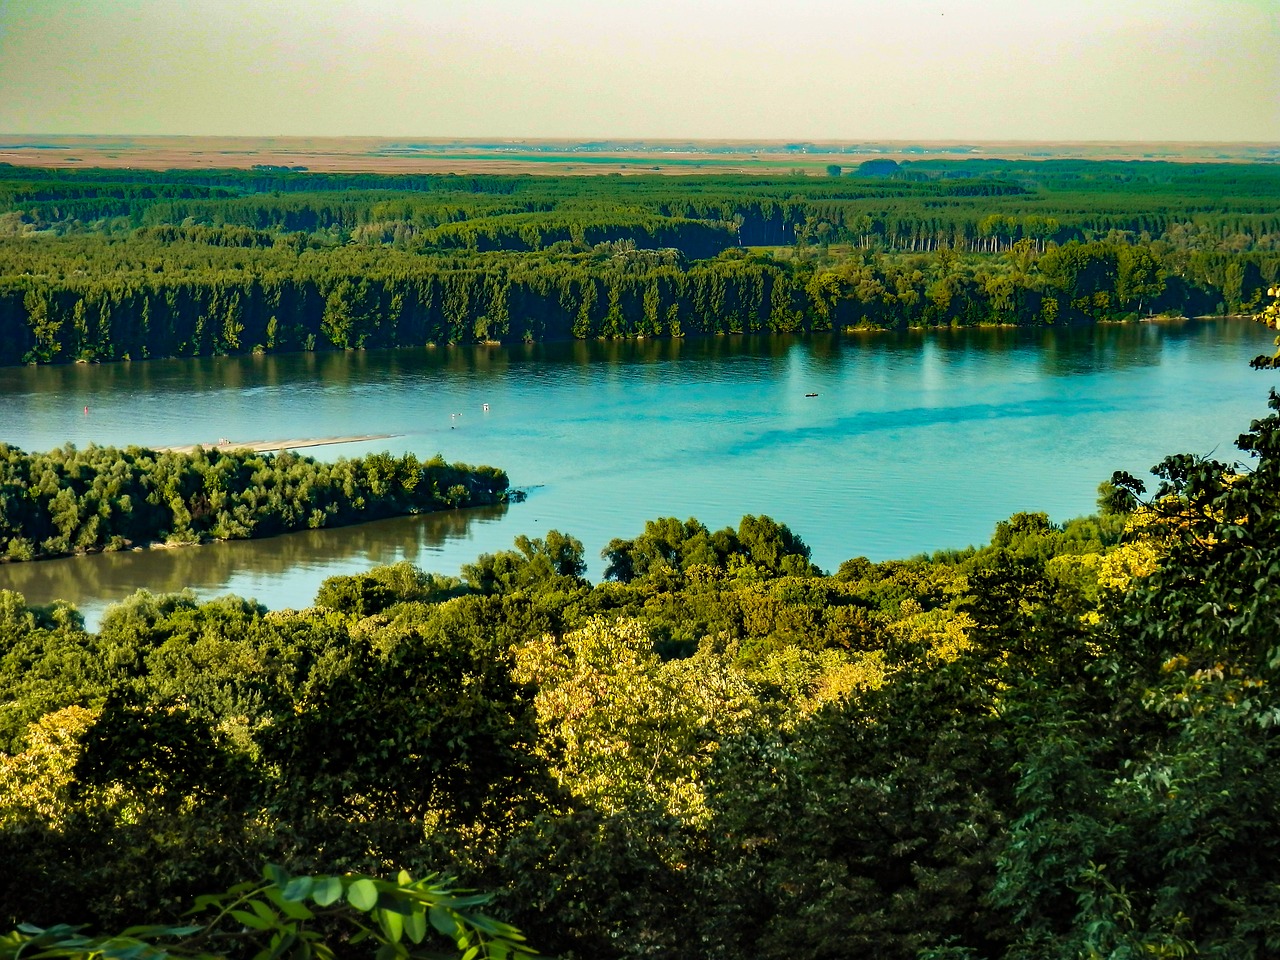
x=512, y=138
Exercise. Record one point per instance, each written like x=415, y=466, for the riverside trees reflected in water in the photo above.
x=916, y=441
x=228, y=567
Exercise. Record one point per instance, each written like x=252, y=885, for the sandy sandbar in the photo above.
x=267, y=446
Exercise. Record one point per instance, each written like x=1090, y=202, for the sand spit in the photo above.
x=268, y=446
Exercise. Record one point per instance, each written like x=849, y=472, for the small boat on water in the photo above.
x=810, y=394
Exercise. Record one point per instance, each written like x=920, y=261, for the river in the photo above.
x=913, y=442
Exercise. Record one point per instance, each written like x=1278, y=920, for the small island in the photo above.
x=70, y=501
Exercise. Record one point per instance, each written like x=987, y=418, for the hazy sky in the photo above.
x=812, y=69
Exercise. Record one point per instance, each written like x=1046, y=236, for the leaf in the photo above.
x=292, y=910
x=275, y=874
x=443, y=921
x=265, y=912
x=392, y=924
x=281, y=945
x=392, y=900
x=363, y=895
x=326, y=890
x=153, y=930
x=203, y=902
x=125, y=949
x=251, y=920
x=298, y=888
x=475, y=900
x=487, y=925
x=415, y=926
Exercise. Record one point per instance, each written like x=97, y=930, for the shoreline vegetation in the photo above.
x=103, y=265
x=69, y=501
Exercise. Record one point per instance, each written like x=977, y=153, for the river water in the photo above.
x=913, y=442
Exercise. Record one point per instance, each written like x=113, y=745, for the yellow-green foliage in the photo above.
x=807, y=680
x=34, y=782
x=630, y=730
x=943, y=634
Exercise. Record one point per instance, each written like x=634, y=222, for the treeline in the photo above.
x=1060, y=744
x=193, y=291
x=103, y=498
x=107, y=265
x=1227, y=207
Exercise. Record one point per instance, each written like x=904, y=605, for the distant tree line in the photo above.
x=104, y=498
x=89, y=299
x=966, y=205
x=103, y=265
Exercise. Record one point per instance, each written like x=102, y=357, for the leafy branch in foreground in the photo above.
x=299, y=918
x=1271, y=317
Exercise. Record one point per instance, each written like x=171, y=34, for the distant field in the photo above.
x=385, y=155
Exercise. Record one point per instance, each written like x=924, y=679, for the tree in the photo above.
x=1271, y=317
x=1145, y=812
x=1140, y=278
x=45, y=326
x=535, y=563
x=636, y=731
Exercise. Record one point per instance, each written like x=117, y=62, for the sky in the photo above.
x=730, y=69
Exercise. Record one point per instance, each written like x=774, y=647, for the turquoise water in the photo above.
x=914, y=442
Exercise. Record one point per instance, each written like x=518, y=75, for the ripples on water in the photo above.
x=915, y=442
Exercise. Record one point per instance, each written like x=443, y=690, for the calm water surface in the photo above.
x=914, y=442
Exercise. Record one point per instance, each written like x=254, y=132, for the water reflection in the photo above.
x=1063, y=350
x=93, y=581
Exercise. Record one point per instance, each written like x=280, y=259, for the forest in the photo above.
x=103, y=498
x=1062, y=743
x=100, y=265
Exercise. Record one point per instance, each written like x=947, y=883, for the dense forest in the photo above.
x=118, y=264
x=103, y=498
x=1061, y=744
